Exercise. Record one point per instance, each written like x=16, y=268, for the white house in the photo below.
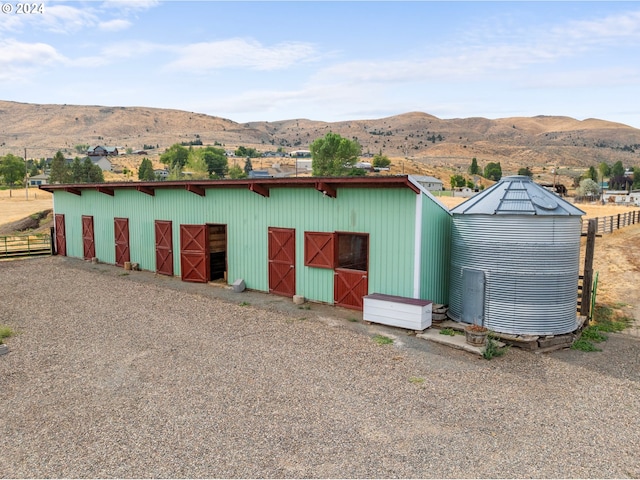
x=40, y=179
x=430, y=183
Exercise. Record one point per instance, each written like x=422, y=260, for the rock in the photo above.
x=298, y=299
x=238, y=286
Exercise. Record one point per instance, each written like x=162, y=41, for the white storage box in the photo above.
x=403, y=312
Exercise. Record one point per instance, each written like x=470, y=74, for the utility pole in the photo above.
x=26, y=175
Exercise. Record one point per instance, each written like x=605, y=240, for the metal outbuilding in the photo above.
x=515, y=251
x=331, y=240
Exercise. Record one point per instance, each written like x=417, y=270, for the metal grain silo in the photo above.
x=515, y=259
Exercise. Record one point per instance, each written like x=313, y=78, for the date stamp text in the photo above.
x=22, y=8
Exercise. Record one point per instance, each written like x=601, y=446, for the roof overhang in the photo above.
x=328, y=186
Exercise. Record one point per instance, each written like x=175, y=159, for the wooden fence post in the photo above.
x=587, y=281
x=52, y=239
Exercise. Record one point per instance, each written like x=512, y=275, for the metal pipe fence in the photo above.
x=614, y=222
x=25, y=245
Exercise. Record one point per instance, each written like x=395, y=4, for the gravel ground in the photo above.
x=137, y=375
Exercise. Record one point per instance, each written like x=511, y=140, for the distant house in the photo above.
x=430, y=183
x=300, y=154
x=103, y=162
x=101, y=151
x=40, y=179
x=161, y=173
x=259, y=174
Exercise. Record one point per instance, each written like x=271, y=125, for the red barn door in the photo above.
x=164, y=247
x=282, y=261
x=194, y=253
x=88, y=240
x=121, y=228
x=61, y=236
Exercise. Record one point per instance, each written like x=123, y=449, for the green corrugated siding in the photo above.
x=387, y=215
x=436, y=252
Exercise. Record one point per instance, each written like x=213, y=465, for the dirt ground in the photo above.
x=16, y=204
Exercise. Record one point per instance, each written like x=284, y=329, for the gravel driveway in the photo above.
x=137, y=375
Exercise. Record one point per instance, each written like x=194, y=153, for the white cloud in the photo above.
x=240, y=53
x=114, y=25
x=17, y=58
x=129, y=5
x=66, y=19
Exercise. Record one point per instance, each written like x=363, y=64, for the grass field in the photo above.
x=14, y=204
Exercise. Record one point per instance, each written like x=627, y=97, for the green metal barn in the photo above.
x=331, y=240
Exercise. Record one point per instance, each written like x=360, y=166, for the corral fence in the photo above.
x=24, y=245
x=613, y=222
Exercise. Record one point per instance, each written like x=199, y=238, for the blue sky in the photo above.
x=330, y=61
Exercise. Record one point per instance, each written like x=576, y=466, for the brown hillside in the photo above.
x=415, y=141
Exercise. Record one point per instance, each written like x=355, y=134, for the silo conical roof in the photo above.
x=517, y=195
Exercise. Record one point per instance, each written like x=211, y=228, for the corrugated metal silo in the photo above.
x=515, y=259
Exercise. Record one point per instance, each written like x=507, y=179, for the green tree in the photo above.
x=196, y=164
x=493, y=171
x=247, y=167
x=381, y=161
x=246, y=152
x=34, y=170
x=588, y=187
x=604, y=170
x=82, y=148
x=175, y=155
x=12, y=169
x=91, y=173
x=636, y=178
x=60, y=172
x=457, y=181
x=236, y=172
x=145, y=171
x=474, y=169
x=77, y=171
x=216, y=160
x=175, y=173
x=591, y=173
x=333, y=155
x=617, y=170
x=526, y=171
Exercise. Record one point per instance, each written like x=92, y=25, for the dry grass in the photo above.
x=17, y=206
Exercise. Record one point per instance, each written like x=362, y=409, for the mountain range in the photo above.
x=541, y=142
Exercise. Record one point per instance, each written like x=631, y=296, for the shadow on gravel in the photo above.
x=619, y=358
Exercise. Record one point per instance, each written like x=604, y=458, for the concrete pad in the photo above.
x=455, y=341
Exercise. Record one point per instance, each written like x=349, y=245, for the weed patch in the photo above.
x=584, y=346
x=244, y=304
x=448, y=331
x=352, y=319
x=492, y=350
x=5, y=332
x=382, y=340
x=416, y=380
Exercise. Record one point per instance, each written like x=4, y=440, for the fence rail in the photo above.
x=25, y=245
x=614, y=222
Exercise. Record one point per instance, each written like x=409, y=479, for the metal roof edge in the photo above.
x=390, y=181
x=426, y=192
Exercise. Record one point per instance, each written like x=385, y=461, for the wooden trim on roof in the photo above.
x=326, y=189
x=106, y=190
x=259, y=189
x=147, y=190
x=195, y=189
x=327, y=185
